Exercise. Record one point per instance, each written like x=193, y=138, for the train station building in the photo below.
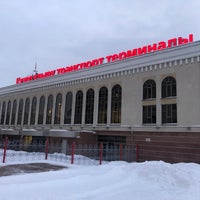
x=147, y=96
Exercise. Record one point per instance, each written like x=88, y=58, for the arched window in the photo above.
x=26, y=111
x=169, y=87
x=89, y=107
x=49, y=109
x=14, y=109
x=8, y=113
x=149, y=89
x=3, y=112
x=68, y=108
x=103, y=103
x=20, y=110
x=33, y=110
x=41, y=110
x=58, y=108
x=116, y=99
x=78, y=107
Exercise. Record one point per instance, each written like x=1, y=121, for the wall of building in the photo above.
x=183, y=64
x=168, y=146
x=188, y=95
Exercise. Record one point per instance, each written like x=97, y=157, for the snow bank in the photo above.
x=112, y=181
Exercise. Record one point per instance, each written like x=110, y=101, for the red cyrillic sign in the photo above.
x=111, y=58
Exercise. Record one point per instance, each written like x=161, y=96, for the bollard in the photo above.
x=72, y=153
x=5, y=148
x=46, y=148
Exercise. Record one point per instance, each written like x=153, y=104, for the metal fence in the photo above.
x=14, y=151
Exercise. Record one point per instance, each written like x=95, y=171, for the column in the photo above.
x=29, y=112
x=63, y=109
x=158, y=99
x=96, y=105
x=73, y=107
x=83, y=108
x=17, y=108
x=45, y=110
x=109, y=105
x=53, y=109
x=11, y=107
x=22, y=122
x=37, y=110
x=5, y=114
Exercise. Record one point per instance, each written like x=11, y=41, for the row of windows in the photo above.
x=14, y=116
x=168, y=88
x=45, y=112
x=169, y=114
x=168, y=111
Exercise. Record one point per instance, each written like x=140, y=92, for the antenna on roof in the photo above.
x=35, y=70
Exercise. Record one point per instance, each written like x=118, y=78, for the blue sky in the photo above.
x=57, y=33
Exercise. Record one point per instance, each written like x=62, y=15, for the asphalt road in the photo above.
x=28, y=168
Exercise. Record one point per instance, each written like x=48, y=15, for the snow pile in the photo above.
x=112, y=181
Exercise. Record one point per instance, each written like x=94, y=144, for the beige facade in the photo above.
x=181, y=63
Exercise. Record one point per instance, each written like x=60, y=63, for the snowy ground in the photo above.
x=86, y=180
x=112, y=181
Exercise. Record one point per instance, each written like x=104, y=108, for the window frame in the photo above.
x=58, y=109
x=149, y=114
x=68, y=108
x=168, y=87
x=149, y=89
x=41, y=110
x=49, y=110
x=169, y=113
x=103, y=105
x=78, y=107
x=89, y=107
x=116, y=101
x=26, y=111
x=20, y=112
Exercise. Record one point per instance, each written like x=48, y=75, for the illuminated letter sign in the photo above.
x=111, y=58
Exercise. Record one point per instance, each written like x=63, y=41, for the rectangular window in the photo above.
x=169, y=113
x=149, y=114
